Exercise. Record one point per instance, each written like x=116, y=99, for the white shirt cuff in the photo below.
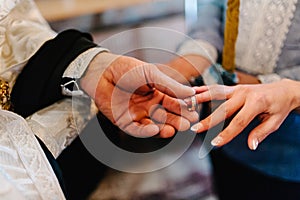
x=76, y=69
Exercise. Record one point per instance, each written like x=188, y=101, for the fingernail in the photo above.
x=197, y=127
x=216, y=141
x=254, y=144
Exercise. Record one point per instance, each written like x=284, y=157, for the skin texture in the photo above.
x=246, y=78
x=248, y=102
x=137, y=97
x=194, y=65
x=183, y=68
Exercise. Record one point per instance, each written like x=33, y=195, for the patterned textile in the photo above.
x=23, y=163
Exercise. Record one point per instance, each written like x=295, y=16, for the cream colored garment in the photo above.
x=58, y=124
x=22, y=31
x=263, y=33
x=24, y=170
x=260, y=40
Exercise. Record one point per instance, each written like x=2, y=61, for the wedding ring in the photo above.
x=192, y=106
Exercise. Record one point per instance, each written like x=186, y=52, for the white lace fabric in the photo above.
x=262, y=32
x=23, y=165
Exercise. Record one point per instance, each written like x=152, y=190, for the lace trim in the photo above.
x=76, y=69
x=23, y=162
x=78, y=66
x=263, y=29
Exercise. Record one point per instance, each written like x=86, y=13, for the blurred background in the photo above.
x=187, y=178
x=105, y=18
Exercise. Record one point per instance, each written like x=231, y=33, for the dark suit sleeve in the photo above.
x=38, y=85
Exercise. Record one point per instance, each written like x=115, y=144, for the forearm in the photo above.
x=206, y=44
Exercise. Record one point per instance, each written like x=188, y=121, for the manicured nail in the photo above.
x=254, y=144
x=197, y=127
x=216, y=141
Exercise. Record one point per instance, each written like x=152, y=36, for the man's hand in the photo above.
x=270, y=102
x=137, y=97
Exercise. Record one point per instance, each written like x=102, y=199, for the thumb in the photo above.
x=167, y=85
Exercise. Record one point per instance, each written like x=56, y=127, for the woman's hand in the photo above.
x=270, y=102
x=184, y=68
x=137, y=97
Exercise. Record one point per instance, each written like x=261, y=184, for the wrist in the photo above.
x=215, y=74
x=294, y=91
x=195, y=65
x=89, y=81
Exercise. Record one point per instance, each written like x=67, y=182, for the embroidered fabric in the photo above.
x=262, y=31
x=23, y=163
x=22, y=31
x=59, y=124
x=8, y=191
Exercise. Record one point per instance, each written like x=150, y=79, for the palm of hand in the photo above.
x=145, y=114
x=125, y=93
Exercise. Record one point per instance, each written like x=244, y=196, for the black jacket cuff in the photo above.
x=38, y=85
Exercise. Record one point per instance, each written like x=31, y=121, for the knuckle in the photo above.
x=274, y=128
x=227, y=136
x=258, y=97
x=239, y=121
x=206, y=123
